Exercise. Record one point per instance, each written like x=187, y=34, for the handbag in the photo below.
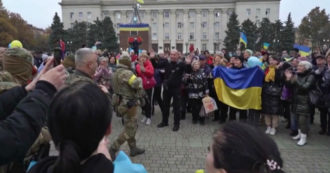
x=315, y=97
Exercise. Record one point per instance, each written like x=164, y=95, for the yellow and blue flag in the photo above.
x=266, y=45
x=243, y=39
x=240, y=89
x=303, y=50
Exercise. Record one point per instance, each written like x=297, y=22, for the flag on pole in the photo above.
x=243, y=39
x=140, y=1
x=266, y=45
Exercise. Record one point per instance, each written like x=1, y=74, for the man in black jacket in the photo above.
x=172, y=89
x=23, y=113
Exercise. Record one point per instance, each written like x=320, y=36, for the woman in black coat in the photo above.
x=271, y=95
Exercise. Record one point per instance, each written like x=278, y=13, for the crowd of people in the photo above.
x=71, y=102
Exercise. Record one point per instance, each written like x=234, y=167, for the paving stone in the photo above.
x=185, y=151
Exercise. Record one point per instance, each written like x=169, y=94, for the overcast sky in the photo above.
x=40, y=12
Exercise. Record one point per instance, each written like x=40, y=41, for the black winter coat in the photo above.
x=22, y=119
x=271, y=95
x=302, y=84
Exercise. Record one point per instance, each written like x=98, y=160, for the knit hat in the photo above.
x=125, y=59
x=16, y=44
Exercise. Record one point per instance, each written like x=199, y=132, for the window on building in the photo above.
x=71, y=15
x=180, y=25
x=258, y=11
x=205, y=13
x=166, y=14
x=248, y=12
x=154, y=36
x=154, y=14
x=81, y=14
x=118, y=15
x=89, y=15
x=167, y=36
x=179, y=14
x=258, y=23
x=192, y=14
x=216, y=26
x=204, y=47
x=179, y=36
x=192, y=25
x=191, y=36
x=204, y=24
x=217, y=14
x=141, y=14
x=204, y=36
x=166, y=25
x=154, y=26
x=267, y=11
x=129, y=15
x=217, y=35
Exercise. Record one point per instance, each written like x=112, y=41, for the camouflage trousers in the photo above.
x=130, y=128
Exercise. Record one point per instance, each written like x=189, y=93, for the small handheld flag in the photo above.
x=303, y=50
x=243, y=39
x=266, y=45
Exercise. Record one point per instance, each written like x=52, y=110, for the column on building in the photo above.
x=160, y=33
x=210, y=45
x=185, y=31
x=173, y=30
x=198, y=30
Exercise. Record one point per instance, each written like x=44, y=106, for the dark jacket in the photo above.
x=196, y=84
x=173, y=75
x=21, y=122
x=271, y=94
x=159, y=64
x=326, y=88
x=97, y=163
x=302, y=85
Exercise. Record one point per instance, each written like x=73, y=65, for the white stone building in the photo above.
x=175, y=24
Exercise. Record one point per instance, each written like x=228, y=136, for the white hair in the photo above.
x=306, y=64
x=82, y=55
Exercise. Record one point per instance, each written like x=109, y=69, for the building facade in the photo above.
x=175, y=24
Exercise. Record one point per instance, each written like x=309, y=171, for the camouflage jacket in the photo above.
x=76, y=76
x=7, y=81
x=126, y=84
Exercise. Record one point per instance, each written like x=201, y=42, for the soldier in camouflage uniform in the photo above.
x=127, y=92
x=86, y=64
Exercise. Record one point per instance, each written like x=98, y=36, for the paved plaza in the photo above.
x=185, y=151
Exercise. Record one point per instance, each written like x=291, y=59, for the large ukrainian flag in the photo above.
x=240, y=89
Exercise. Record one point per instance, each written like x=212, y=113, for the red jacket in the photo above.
x=147, y=76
